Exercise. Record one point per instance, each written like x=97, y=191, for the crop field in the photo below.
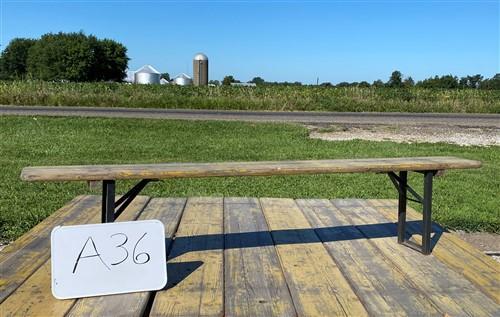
x=266, y=97
x=465, y=199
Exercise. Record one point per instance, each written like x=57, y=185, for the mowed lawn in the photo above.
x=466, y=199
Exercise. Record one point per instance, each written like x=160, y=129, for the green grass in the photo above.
x=462, y=199
x=280, y=98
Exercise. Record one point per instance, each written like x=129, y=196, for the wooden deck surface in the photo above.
x=268, y=257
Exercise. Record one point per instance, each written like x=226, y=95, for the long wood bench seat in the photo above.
x=259, y=168
x=109, y=174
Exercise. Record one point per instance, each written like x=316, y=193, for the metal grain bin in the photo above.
x=147, y=74
x=200, y=69
x=182, y=80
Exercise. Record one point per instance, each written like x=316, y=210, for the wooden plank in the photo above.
x=263, y=168
x=382, y=288
x=41, y=228
x=457, y=254
x=195, y=265
x=317, y=286
x=388, y=207
x=168, y=211
x=25, y=256
x=34, y=296
x=254, y=282
x=448, y=290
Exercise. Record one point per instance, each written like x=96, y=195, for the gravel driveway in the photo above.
x=465, y=136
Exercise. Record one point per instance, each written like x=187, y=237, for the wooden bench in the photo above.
x=112, y=208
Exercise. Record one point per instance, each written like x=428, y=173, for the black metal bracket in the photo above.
x=397, y=181
x=112, y=209
x=401, y=184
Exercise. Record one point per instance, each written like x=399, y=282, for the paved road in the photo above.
x=469, y=120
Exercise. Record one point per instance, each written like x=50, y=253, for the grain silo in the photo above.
x=200, y=69
x=182, y=80
x=147, y=75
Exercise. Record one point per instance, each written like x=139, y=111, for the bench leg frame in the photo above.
x=111, y=208
x=401, y=184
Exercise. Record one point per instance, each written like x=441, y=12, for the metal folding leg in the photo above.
x=112, y=209
x=401, y=184
x=427, y=211
x=108, y=201
x=403, y=179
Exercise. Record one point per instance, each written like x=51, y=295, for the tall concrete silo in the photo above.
x=200, y=69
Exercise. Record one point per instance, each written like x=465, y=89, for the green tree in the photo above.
x=342, y=84
x=364, y=84
x=409, y=82
x=448, y=82
x=13, y=61
x=444, y=82
x=396, y=79
x=471, y=81
x=228, y=80
x=165, y=76
x=257, y=81
x=463, y=83
x=62, y=56
x=110, y=60
x=475, y=81
x=492, y=83
x=378, y=83
x=77, y=57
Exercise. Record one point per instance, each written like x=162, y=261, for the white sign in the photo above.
x=110, y=258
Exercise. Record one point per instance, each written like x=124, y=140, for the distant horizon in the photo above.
x=338, y=41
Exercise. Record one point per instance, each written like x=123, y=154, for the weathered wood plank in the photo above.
x=25, y=256
x=382, y=288
x=448, y=290
x=42, y=228
x=317, y=286
x=195, y=265
x=263, y=168
x=34, y=296
x=168, y=211
x=465, y=259
x=254, y=282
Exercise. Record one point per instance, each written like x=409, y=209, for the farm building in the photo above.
x=200, y=69
x=182, y=80
x=244, y=84
x=147, y=74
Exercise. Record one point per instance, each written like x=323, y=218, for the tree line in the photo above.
x=64, y=57
x=445, y=82
x=397, y=80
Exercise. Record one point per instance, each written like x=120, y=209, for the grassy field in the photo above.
x=280, y=98
x=463, y=199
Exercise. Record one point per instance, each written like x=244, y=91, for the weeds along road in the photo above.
x=387, y=118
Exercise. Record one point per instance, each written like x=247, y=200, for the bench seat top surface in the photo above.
x=258, y=168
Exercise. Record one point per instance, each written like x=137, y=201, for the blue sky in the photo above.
x=281, y=40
